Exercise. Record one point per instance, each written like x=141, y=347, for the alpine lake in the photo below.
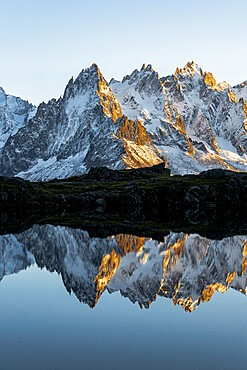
x=111, y=288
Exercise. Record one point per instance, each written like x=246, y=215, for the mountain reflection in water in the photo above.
x=185, y=268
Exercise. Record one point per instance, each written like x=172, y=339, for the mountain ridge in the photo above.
x=185, y=120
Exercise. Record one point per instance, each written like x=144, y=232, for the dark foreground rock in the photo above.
x=145, y=198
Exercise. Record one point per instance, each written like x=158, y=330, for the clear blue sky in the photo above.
x=43, y=43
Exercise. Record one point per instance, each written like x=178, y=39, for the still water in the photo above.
x=70, y=301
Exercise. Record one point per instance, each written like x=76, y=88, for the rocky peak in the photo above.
x=195, y=73
x=190, y=69
x=91, y=84
x=186, y=78
x=192, y=83
x=144, y=73
x=134, y=75
x=130, y=77
x=147, y=68
x=192, y=75
x=146, y=81
x=87, y=79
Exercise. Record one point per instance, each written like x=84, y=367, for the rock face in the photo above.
x=185, y=120
x=58, y=141
x=14, y=114
x=185, y=268
x=80, y=130
x=193, y=121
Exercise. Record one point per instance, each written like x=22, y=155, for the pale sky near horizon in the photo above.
x=43, y=43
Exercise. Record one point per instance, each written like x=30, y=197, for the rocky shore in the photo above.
x=145, y=196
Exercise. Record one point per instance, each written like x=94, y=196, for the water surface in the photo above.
x=70, y=301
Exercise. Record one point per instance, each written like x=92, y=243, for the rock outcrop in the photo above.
x=151, y=195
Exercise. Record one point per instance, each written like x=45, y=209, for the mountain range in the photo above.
x=186, y=120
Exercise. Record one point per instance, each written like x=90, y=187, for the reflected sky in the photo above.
x=42, y=326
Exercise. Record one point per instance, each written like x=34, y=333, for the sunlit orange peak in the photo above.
x=190, y=69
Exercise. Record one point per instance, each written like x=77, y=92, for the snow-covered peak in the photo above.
x=143, y=78
x=193, y=75
x=88, y=79
x=90, y=88
x=137, y=93
x=14, y=114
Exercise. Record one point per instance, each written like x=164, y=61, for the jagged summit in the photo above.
x=89, y=78
x=144, y=71
x=147, y=68
x=89, y=90
x=193, y=71
x=190, y=69
x=92, y=73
